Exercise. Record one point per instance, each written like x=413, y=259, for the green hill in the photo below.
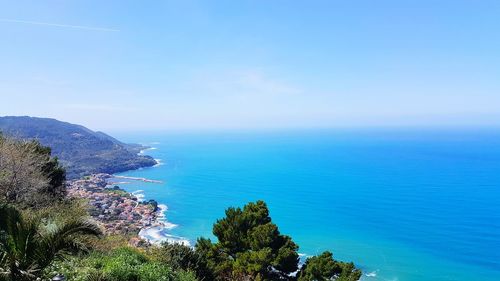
x=81, y=150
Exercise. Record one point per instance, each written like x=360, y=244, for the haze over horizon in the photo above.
x=252, y=64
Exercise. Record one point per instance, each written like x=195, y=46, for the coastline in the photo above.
x=156, y=233
x=381, y=257
x=125, y=212
x=118, y=211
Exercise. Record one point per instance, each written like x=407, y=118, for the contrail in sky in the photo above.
x=60, y=25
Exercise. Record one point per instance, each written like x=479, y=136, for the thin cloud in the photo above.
x=98, y=107
x=61, y=25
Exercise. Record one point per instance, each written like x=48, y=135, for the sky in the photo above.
x=158, y=65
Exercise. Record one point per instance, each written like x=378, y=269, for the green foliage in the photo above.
x=55, y=173
x=181, y=257
x=249, y=247
x=152, y=203
x=324, y=268
x=155, y=272
x=28, y=243
x=29, y=176
x=122, y=264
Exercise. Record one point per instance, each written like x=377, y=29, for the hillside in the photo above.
x=81, y=150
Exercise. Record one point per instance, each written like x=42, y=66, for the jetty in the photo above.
x=138, y=179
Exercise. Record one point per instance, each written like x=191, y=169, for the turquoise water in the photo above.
x=403, y=205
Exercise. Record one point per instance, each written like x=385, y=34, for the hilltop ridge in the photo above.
x=81, y=150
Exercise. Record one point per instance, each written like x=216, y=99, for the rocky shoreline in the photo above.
x=118, y=211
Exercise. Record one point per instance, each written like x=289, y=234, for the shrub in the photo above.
x=324, y=267
x=182, y=257
x=122, y=264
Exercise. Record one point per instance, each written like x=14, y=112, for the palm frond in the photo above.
x=27, y=245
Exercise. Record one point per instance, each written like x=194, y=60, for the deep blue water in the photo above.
x=402, y=204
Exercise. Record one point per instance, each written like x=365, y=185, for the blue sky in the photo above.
x=251, y=64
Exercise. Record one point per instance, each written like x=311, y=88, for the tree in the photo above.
x=29, y=176
x=325, y=268
x=28, y=243
x=52, y=169
x=182, y=257
x=249, y=247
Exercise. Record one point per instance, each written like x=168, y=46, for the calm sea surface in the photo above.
x=403, y=205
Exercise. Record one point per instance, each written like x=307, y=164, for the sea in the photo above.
x=402, y=204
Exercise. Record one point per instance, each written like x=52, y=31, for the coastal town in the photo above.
x=118, y=211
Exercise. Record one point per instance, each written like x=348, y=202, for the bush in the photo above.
x=181, y=257
x=122, y=264
x=155, y=272
x=324, y=267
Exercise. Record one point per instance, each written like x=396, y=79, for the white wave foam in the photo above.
x=139, y=194
x=163, y=208
x=162, y=217
x=302, y=258
x=169, y=225
x=372, y=274
x=158, y=234
x=158, y=163
x=142, y=151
